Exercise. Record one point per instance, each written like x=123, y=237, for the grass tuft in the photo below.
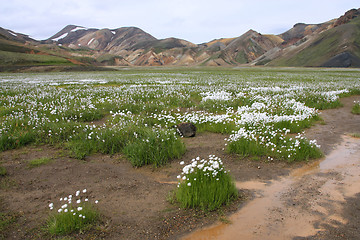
x=154, y=148
x=66, y=222
x=205, y=184
x=356, y=108
x=76, y=214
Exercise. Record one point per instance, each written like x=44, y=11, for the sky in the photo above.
x=197, y=21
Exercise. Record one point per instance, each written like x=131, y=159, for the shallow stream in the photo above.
x=298, y=205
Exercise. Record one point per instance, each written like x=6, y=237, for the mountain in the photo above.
x=13, y=36
x=100, y=39
x=335, y=43
x=19, y=52
x=132, y=46
x=240, y=50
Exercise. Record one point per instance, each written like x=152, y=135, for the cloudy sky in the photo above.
x=197, y=21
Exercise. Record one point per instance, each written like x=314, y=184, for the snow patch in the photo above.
x=12, y=33
x=113, y=32
x=61, y=37
x=78, y=28
x=90, y=41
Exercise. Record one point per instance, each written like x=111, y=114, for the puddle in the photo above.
x=292, y=206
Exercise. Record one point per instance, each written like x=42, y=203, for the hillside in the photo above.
x=19, y=52
x=338, y=45
x=334, y=43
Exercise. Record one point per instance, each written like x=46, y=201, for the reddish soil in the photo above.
x=133, y=201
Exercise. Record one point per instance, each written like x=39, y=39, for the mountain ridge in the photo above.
x=330, y=44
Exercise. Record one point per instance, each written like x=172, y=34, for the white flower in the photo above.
x=51, y=205
x=189, y=184
x=86, y=199
x=182, y=163
x=78, y=201
x=79, y=208
x=60, y=210
x=77, y=193
x=66, y=210
x=96, y=201
x=178, y=177
x=84, y=191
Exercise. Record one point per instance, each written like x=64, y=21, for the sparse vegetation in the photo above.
x=39, y=161
x=355, y=135
x=14, y=58
x=6, y=219
x=3, y=171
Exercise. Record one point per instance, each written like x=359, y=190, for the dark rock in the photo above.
x=344, y=59
x=186, y=129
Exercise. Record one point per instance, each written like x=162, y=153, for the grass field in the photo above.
x=133, y=110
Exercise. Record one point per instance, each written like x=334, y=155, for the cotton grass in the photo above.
x=205, y=184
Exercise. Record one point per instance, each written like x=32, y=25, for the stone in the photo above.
x=186, y=129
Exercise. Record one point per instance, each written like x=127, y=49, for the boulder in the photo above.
x=186, y=129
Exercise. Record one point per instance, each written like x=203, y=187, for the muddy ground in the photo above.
x=134, y=201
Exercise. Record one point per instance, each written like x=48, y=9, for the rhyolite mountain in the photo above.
x=335, y=43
